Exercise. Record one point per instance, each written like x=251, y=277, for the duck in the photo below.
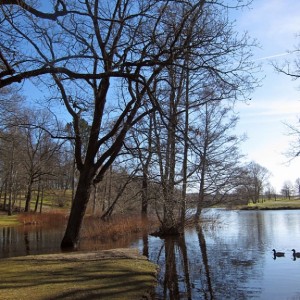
x=278, y=254
x=296, y=254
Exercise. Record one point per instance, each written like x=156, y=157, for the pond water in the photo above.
x=230, y=258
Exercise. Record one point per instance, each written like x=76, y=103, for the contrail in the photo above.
x=275, y=55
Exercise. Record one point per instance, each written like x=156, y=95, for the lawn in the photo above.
x=111, y=274
x=6, y=220
x=274, y=204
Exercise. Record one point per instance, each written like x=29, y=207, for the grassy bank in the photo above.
x=112, y=274
x=6, y=220
x=272, y=205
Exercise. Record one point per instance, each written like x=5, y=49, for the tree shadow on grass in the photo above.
x=93, y=279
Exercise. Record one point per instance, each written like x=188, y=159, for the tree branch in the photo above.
x=38, y=13
x=60, y=70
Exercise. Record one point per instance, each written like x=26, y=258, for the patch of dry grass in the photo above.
x=117, y=227
x=52, y=218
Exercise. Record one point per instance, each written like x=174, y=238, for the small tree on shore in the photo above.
x=287, y=190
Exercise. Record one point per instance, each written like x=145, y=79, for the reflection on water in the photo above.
x=28, y=240
x=17, y=241
x=232, y=260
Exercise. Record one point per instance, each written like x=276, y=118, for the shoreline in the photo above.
x=269, y=208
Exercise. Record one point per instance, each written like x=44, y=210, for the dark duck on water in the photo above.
x=277, y=253
x=296, y=254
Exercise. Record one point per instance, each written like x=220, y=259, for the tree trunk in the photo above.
x=81, y=199
x=203, y=167
x=95, y=198
x=28, y=196
x=201, y=190
x=5, y=196
x=42, y=200
x=73, y=179
x=186, y=147
x=144, y=196
x=37, y=196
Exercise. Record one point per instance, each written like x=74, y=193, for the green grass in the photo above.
x=51, y=200
x=272, y=204
x=68, y=276
x=6, y=220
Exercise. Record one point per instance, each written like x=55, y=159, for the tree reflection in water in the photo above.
x=190, y=269
x=19, y=240
x=175, y=264
x=203, y=249
x=177, y=283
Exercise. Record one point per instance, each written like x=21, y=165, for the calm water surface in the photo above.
x=230, y=258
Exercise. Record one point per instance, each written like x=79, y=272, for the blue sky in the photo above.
x=275, y=24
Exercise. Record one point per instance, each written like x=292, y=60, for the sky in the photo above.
x=275, y=25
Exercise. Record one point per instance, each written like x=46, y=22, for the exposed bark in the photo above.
x=28, y=195
x=81, y=199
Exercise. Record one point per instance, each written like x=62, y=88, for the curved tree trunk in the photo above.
x=79, y=205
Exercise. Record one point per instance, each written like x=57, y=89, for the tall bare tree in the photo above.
x=40, y=152
x=218, y=154
x=11, y=107
x=82, y=49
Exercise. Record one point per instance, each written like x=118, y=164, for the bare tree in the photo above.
x=289, y=68
x=11, y=172
x=139, y=144
x=11, y=107
x=218, y=155
x=39, y=151
x=292, y=69
x=255, y=178
x=297, y=186
x=287, y=190
x=93, y=46
x=270, y=192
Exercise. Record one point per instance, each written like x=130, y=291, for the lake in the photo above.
x=229, y=258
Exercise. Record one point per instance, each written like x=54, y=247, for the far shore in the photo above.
x=256, y=207
x=279, y=204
